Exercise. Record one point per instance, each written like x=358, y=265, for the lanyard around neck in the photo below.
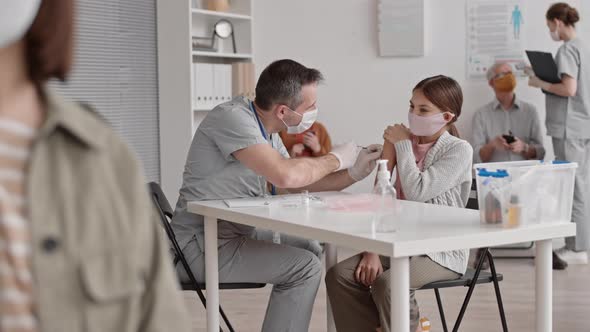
x=273, y=189
x=260, y=125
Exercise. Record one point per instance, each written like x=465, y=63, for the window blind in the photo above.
x=115, y=71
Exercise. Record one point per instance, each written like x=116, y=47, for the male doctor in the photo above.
x=235, y=153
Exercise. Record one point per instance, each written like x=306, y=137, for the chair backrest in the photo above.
x=157, y=193
x=165, y=212
x=472, y=202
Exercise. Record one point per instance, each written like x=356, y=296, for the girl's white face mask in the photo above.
x=426, y=125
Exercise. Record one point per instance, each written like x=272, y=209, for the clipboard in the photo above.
x=544, y=66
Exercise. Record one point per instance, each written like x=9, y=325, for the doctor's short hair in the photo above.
x=281, y=83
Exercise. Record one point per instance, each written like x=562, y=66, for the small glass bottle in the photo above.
x=424, y=324
x=514, y=212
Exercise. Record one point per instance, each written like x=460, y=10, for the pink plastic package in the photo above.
x=352, y=203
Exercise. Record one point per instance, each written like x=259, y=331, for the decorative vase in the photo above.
x=218, y=5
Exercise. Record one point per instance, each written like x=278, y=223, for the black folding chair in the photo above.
x=165, y=212
x=470, y=279
x=472, y=202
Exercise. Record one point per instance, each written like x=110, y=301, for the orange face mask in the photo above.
x=506, y=83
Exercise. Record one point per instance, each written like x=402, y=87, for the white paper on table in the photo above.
x=246, y=202
x=266, y=201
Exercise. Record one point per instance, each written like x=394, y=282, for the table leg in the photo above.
x=331, y=260
x=400, y=294
x=212, y=274
x=544, y=286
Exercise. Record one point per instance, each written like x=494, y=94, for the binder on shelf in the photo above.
x=237, y=80
x=227, y=74
x=195, y=100
x=222, y=83
x=212, y=85
x=254, y=80
x=251, y=81
x=204, y=79
x=209, y=83
x=218, y=84
x=243, y=79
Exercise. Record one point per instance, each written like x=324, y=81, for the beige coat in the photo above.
x=99, y=260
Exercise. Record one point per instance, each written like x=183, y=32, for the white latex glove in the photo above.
x=346, y=154
x=538, y=83
x=365, y=162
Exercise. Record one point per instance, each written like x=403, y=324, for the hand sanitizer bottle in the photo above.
x=386, y=198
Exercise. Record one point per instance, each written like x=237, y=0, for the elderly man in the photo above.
x=507, y=128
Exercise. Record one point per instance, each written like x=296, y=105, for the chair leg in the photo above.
x=226, y=320
x=193, y=280
x=223, y=315
x=180, y=256
x=498, y=294
x=470, y=291
x=441, y=310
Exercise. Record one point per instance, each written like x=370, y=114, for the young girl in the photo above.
x=433, y=166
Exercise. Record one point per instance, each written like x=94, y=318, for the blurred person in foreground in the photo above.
x=81, y=246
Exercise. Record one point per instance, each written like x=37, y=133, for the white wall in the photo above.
x=364, y=92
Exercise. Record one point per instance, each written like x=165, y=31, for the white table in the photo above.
x=422, y=228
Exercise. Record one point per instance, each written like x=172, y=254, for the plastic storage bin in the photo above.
x=544, y=191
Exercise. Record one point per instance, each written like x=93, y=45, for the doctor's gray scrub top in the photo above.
x=569, y=117
x=211, y=171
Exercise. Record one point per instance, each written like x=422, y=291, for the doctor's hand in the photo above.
x=396, y=133
x=346, y=154
x=536, y=82
x=369, y=269
x=365, y=162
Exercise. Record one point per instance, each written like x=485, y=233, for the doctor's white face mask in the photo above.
x=16, y=17
x=307, y=120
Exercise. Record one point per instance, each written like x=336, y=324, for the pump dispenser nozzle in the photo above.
x=382, y=172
